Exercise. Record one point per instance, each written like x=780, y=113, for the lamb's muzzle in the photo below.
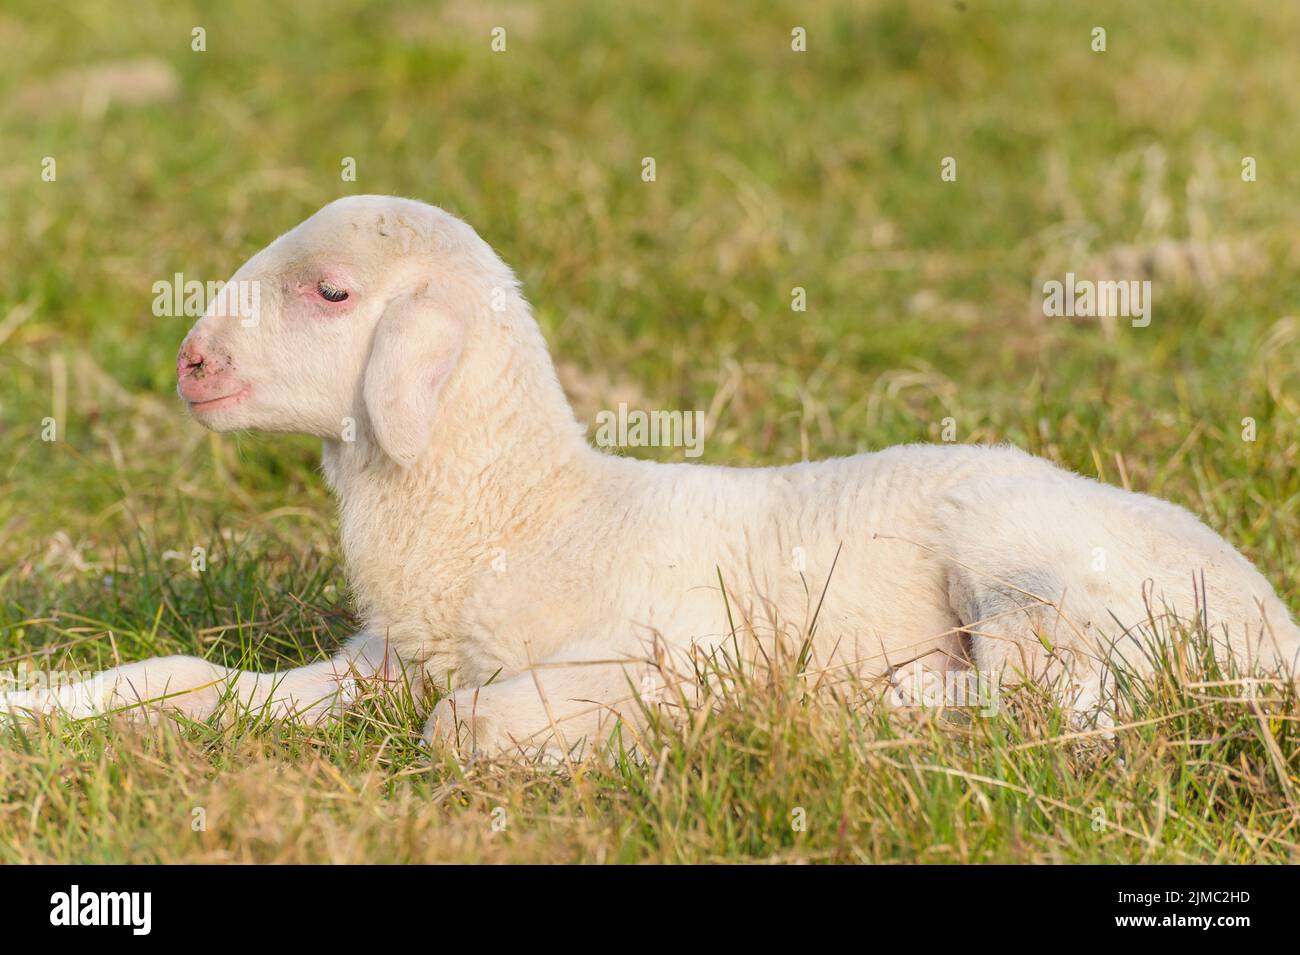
x=486, y=540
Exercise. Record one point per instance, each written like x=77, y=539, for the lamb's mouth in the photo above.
x=225, y=401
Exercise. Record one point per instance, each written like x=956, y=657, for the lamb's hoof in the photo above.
x=462, y=728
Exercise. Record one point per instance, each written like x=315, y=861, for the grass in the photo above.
x=774, y=169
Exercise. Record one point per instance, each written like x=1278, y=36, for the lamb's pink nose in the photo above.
x=201, y=373
x=190, y=362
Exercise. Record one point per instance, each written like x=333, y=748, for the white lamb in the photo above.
x=541, y=585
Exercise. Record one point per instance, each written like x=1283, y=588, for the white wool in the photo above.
x=485, y=540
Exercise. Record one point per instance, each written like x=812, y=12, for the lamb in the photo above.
x=545, y=589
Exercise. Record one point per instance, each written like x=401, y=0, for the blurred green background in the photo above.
x=775, y=169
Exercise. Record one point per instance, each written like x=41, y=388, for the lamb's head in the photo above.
x=356, y=319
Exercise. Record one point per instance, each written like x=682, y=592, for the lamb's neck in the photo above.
x=500, y=465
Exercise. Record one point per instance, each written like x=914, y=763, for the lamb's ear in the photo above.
x=416, y=346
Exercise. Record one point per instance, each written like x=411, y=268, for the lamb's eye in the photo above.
x=330, y=293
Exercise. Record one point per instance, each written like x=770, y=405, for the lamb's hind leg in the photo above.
x=1059, y=578
x=195, y=687
x=1019, y=630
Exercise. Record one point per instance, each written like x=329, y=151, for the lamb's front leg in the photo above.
x=195, y=687
x=561, y=707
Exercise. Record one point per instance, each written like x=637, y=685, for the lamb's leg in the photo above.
x=195, y=687
x=561, y=707
x=1058, y=580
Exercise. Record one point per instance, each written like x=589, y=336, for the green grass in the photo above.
x=775, y=169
